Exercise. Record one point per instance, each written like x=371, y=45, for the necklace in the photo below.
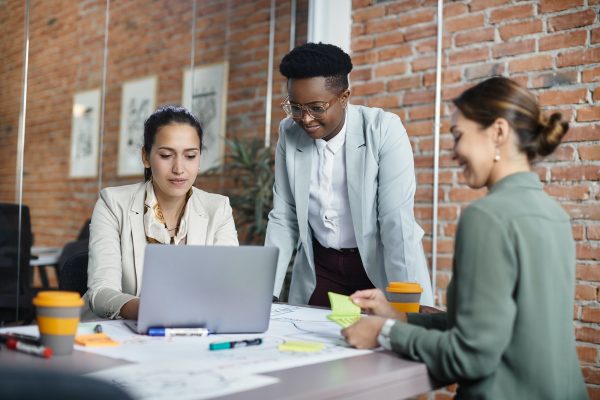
x=171, y=230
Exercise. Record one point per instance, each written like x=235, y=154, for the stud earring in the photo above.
x=497, y=156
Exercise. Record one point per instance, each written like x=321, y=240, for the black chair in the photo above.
x=16, y=293
x=73, y=275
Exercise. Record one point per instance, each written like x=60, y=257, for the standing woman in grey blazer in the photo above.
x=344, y=187
x=166, y=208
x=508, y=332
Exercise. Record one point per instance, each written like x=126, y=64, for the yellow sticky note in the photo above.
x=95, y=340
x=301, y=347
x=343, y=311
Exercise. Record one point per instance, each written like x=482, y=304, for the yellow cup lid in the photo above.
x=404, y=287
x=58, y=299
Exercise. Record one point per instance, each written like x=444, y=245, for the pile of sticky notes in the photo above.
x=343, y=311
x=95, y=340
x=301, y=347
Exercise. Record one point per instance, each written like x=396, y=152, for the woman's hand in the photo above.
x=130, y=309
x=363, y=334
x=373, y=301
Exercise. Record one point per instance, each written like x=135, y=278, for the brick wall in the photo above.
x=550, y=46
x=145, y=38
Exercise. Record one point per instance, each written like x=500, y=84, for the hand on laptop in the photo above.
x=130, y=309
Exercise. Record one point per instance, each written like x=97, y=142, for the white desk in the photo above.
x=372, y=375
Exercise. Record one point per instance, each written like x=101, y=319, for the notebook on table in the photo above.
x=226, y=289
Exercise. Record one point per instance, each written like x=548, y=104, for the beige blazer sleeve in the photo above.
x=118, y=242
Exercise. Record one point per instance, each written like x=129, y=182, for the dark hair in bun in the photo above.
x=501, y=97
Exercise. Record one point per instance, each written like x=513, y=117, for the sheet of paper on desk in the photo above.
x=179, y=380
x=288, y=323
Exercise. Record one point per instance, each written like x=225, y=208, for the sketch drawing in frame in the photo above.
x=137, y=103
x=208, y=102
x=85, y=131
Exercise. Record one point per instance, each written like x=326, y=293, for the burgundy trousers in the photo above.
x=339, y=271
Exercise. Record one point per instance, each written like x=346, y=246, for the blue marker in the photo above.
x=234, y=344
x=168, y=332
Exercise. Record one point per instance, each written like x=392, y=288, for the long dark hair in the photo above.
x=163, y=116
x=501, y=97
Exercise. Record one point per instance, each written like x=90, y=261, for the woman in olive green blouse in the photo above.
x=508, y=332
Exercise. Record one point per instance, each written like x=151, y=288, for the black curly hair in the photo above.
x=318, y=59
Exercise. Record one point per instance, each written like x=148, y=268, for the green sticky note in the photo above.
x=343, y=311
x=301, y=347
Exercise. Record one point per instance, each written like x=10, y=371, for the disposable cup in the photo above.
x=404, y=296
x=57, y=314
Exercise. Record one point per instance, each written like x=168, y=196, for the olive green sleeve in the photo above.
x=484, y=279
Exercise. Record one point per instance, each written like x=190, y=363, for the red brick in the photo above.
x=570, y=21
x=459, y=194
x=418, y=97
x=583, y=211
x=511, y=13
x=445, y=177
x=510, y=31
x=553, y=79
x=401, y=6
x=578, y=57
x=423, y=63
x=421, y=112
x=383, y=102
x=421, y=32
x=411, y=82
x=417, y=17
x=593, y=232
x=571, y=192
x=484, y=70
x=470, y=55
x=475, y=36
x=362, y=43
x=382, y=25
x=419, y=129
x=560, y=97
x=589, y=153
x=513, y=48
x=430, y=45
x=362, y=74
x=367, y=88
x=389, y=38
x=465, y=23
x=398, y=51
x=577, y=230
x=478, y=5
x=596, y=94
x=587, y=251
x=358, y=30
x=547, y=6
x=427, y=144
x=364, y=58
x=390, y=69
x=590, y=314
x=588, y=272
x=563, y=40
x=585, y=292
x=587, y=354
x=365, y=14
x=582, y=133
x=595, y=36
x=576, y=173
x=534, y=63
x=586, y=114
x=448, y=76
x=454, y=9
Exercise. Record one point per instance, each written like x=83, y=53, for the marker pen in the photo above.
x=168, y=332
x=234, y=344
x=19, y=336
x=36, y=350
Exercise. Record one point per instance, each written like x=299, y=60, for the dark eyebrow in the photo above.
x=173, y=150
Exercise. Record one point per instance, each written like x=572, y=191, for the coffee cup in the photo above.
x=404, y=296
x=57, y=315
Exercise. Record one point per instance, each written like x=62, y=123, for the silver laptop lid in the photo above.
x=226, y=289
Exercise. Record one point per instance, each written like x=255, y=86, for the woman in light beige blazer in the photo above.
x=166, y=208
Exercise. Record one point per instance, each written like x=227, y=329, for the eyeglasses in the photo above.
x=317, y=110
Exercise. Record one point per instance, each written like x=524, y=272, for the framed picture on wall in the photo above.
x=85, y=130
x=138, y=100
x=208, y=101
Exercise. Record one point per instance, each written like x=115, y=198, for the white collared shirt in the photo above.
x=328, y=204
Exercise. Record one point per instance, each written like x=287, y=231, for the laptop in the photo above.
x=226, y=289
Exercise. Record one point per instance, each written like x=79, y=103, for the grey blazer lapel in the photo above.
x=198, y=221
x=355, y=166
x=304, y=153
x=138, y=234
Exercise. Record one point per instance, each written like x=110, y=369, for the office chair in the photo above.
x=16, y=293
x=73, y=275
x=33, y=384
